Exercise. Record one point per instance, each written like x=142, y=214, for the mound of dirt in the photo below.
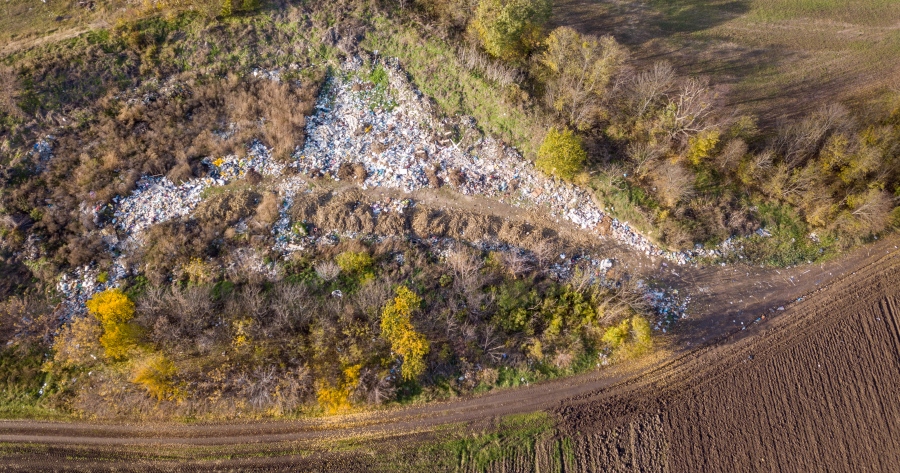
x=227, y=207
x=351, y=211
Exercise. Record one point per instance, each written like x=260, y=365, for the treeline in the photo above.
x=666, y=144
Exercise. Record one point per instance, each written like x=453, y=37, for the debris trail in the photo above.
x=398, y=143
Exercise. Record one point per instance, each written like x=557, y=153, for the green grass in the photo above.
x=624, y=201
x=436, y=71
x=458, y=448
x=789, y=243
x=23, y=386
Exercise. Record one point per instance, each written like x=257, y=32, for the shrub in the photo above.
x=114, y=310
x=198, y=271
x=673, y=183
x=562, y=154
x=155, y=372
x=616, y=335
x=78, y=343
x=631, y=337
x=510, y=29
x=353, y=262
x=327, y=270
x=640, y=330
x=397, y=328
x=513, y=301
x=337, y=398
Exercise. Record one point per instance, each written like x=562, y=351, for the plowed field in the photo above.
x=817, y=390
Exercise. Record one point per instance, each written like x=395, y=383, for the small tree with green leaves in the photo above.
x=562, y=154
x=511, y=29
x=354, y=262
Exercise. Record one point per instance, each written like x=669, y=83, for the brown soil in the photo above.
x=773, y=69
x=437, y=214
x=815, y=390
x=809, y=389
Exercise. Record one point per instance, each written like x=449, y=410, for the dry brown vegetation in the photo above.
x=150, y=133
x=231, y=342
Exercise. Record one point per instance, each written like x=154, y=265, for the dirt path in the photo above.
x=588, y=403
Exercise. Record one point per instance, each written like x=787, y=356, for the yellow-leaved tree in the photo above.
x=114, y=310
x=701, y=145
x=155, y=372
x=397, y=328
x=336, y=398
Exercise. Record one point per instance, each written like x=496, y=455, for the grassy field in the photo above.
x=27, y=22
x=773, y=58
x=436, y=69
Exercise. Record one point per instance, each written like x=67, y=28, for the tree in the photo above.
x=562, y=154
x=510, y=29
x=397, y=328
x=650, y=86
x=673, y=183
x=689, y=111
x=801, y=140
x=701, y=145
x=871, y=210
x=353, y=262
x=579, y=69
x=114, y=310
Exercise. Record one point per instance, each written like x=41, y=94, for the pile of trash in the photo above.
x=398, y=142
x=398, y=146
x=82, y=283
x=158, y=200
x=43, y=151
x=670, y=306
